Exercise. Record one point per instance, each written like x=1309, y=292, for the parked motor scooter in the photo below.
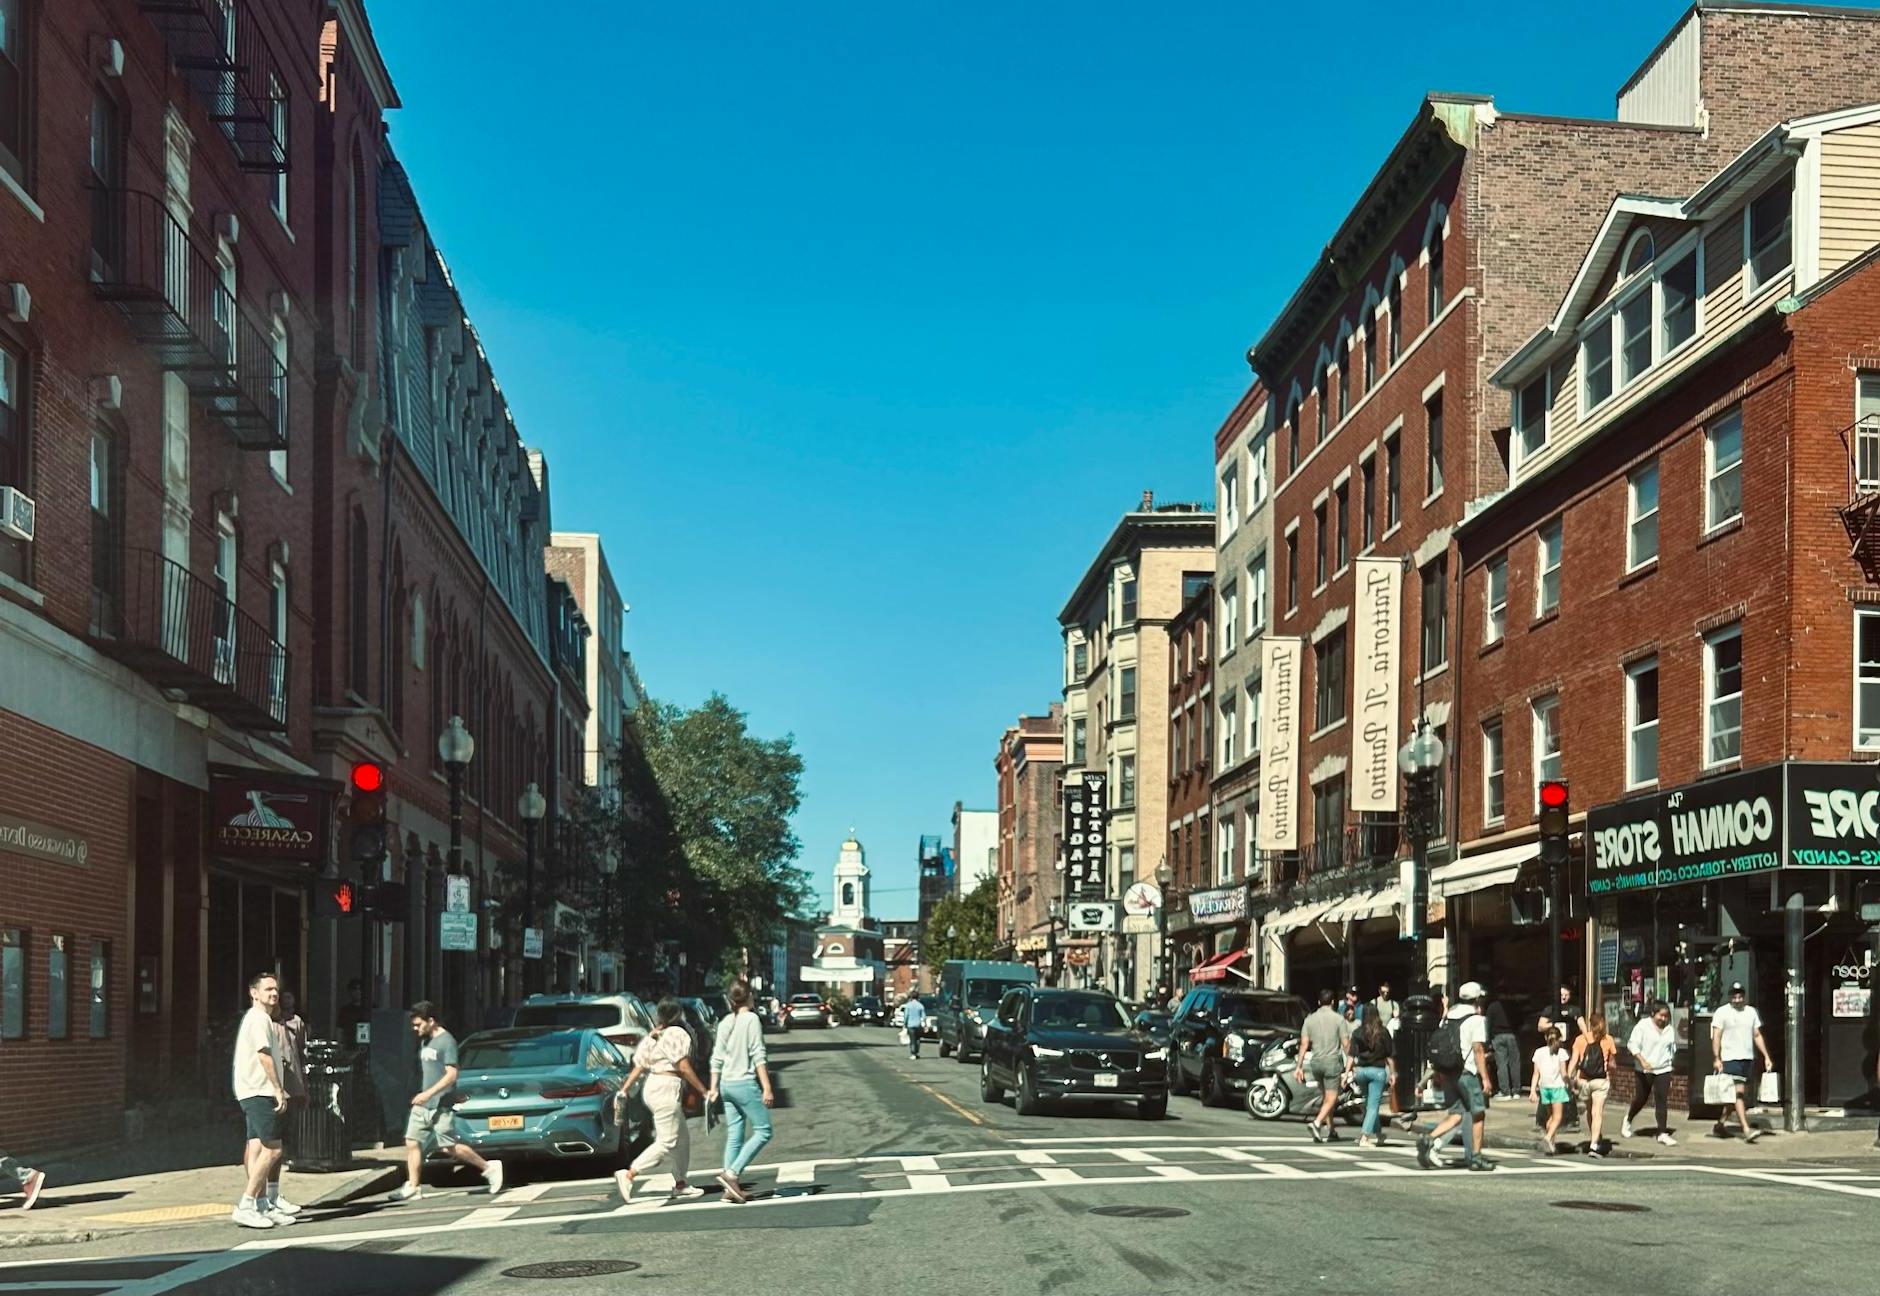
x=1277, y=1091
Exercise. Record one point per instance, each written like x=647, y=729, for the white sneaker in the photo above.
x=405, y=1192
x=249, y=1217
x=493, y=1176
x=687, y=1193
x=1667, y=1140
x=279, y=1217
x=282, y=1205
x=1625, y=1128
x=625, y=1183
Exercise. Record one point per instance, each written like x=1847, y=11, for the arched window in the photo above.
x=848, y=895
x=1639, y=253
x=1323, y=386
x=1292, y=433
x=1433, y=239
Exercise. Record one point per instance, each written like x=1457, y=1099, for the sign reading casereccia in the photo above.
x=258, y=815
x=1794, y=815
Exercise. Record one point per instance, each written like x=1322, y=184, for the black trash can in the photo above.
x=1414, y=1029
x=319, y=1125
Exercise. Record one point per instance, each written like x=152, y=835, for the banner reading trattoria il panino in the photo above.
x=1795, y=815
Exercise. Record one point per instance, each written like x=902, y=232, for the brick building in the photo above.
x=1116, y=710
x=1386, y=433
x=1663, y=607
x=1029, y=767
x=1189, y=854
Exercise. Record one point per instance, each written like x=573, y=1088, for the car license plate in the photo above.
x=505, y=1122
x=1105, y=1080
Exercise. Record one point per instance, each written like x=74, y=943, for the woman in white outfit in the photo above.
x=664, y=1058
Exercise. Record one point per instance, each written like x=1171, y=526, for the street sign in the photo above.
x=1092, y=916
x=457, y=931
x=457, y=892
x=531, y=942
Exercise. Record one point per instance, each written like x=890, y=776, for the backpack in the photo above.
x=1593, y=1062
x=1446, y=1046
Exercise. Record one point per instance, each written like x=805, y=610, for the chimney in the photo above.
x=1148, y=502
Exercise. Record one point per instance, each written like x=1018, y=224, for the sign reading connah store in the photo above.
x=258, y=815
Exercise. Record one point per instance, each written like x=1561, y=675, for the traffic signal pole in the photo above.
x=1552, y=821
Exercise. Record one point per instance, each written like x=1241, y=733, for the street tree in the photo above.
x=973, y=921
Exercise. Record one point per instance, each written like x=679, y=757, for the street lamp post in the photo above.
x=1420, y=759
x=1165, y=975
x=1051, y=944
x=531, y=807
x=456, y=748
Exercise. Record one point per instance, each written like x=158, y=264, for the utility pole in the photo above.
x=1793, y=915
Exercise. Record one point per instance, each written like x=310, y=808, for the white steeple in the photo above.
x=851, y=891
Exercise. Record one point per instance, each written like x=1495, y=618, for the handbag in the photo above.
x=903, y=1034
x=1719, y=1089
x=1769, y=1087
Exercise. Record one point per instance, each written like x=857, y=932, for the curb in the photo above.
x=340, y=1194
x=56, y=1237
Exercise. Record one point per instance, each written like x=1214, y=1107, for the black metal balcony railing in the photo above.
x=220, y=47
x=181, y=309
x=179, y=632
x=1358, y=848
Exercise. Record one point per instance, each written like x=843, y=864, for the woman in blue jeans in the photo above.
x=1373, y=1061
x=741, y=1076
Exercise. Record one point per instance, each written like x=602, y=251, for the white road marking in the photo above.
x=1139, y=1155
x=487, y=1215
x=1232, y=1154
x=1057, y=1175
x=919, y=1163
x=529, y=1192
x=1032, y=1157
x=1174, y=1172
x=1331, y=1154
x=185, y=1277
x=799, y=1172
x=926, y=1183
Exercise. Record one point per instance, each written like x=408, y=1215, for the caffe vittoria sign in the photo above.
x=1793, y=815
x=1086, y=826
x=254, y=814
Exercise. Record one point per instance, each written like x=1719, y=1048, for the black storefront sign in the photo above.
x=1794, y=815
x=1086, y=829
x=261, y=815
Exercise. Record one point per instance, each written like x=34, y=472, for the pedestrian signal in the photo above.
x=335, y=898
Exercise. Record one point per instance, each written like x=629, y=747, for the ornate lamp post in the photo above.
x=456, y=748
x=1165, y=975
x=531, y=806
x=1051, y=945
x=1421, y=760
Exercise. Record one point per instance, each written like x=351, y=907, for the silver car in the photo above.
x=528, y=1092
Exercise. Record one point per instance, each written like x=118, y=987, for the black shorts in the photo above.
x=263, y=1121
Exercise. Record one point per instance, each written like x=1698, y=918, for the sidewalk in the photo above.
x=79, y=1205
x=1828, y=1140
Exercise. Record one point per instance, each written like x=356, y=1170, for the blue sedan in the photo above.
x=528, y=1092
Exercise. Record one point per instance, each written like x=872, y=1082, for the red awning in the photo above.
x=1215, y=969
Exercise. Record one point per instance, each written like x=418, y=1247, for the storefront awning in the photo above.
x=1287, y=919
x=1357, y=908
x=1479, y=872
x=1216, y=968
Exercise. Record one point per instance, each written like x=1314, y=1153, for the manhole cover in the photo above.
x=571, y=1269
x=1139, y=1212
x=1618, y=1208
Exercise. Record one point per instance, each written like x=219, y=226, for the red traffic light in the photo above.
x=368, y=776
x=1553, y=794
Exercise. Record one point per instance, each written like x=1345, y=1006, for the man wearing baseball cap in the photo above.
x=1468, y=1089
x=1736, y=1038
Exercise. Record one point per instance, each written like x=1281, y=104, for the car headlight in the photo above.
x=1156, y=1055
x=1234, y=1047
x=1040, y=1051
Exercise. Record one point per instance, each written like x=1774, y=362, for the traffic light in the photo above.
x=1553, y=822
x=366, y=818
x=336, y=898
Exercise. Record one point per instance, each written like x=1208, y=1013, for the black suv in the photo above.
x=1077, y=1044
x=867, y=1011
x=1218, y=1034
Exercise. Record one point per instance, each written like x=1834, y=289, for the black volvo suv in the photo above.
x=1074, y=1044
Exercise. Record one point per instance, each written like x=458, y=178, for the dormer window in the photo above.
x=1653, y=314
x=1638, y=253
x=1766, y=234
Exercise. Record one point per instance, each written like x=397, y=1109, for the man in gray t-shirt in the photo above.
x=431, y=1123
x=1324, y=1054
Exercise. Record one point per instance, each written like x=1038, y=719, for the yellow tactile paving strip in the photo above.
x=165, y=1214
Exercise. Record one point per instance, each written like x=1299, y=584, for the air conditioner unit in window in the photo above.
x=16, y=513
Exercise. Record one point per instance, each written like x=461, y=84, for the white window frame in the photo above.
x=1637, y=517
x=1713, y=699
x=1256, y=595
x=1229, y=620
x=1606, y=323
x=279, y=120
x=1634, y=727
x=1867, y=432
x=1713, y=474
x=1495, y=604
x=1230, y=503
x=1522, y=451
x=1547, y=765
x=1751, y=284
x=1866, y=729
x=1542, y=570
x=1494, y=773
x=1255, y=701
x=1228, y=729
x=1257, y=461
x=1224, y=835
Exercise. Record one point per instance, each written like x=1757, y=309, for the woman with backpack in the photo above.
x=1374, y=1066
x=664, y=1057
x=1549, y=1086
x=1594, y=1055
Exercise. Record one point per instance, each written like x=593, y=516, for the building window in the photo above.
x=227, y=569
x=1678, y=293
x=1225, y=869
x=14, y=455
x=1125, y=868
x=1439, y=792
x=1126, y=782
x=1435, y=614
x=1256, y=475
x=1766, y=234
x=1723, y=696
x=1230, y=503
x=1867, y=679
x=1547, y=547
x=12, y=983
x=277, y=654
x=1323, y=389
x=1126, y=695
x=100, y=989
x=1867, y=433
x=1328, y=824
x=1128, y=600
x=1330, y=672
x=1641, y=528
x=1367, y=503
x=1530, y=420
x=1436, y=272
x=1292, y=570
x=277, y=117
x=107, y=186
x=1341, y=547
x=1230, y=619
x=1080, y=660
x=1635, y=337
x=1229, y=731
x=277, y=390
x=1079, y=740
x=1723, y=470
x=1495, y=605
x=1596, y=364
x=1254, y=703
x=59, y=988
x=1433, y=446
x=1395, y=307
x=1319, y=538
x=107, y=520
x=13, y=38
x=1494, y=799
x=1546, y=740
x=1344, y=384
x=1370, y=354
x=1641, y=723
x=1393, y=483
x=1292, y=438
x=1256, y=596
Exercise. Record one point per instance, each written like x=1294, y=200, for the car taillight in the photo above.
x=583, y=1091
x=626, y=1039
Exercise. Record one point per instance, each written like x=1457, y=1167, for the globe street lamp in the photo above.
x=531, y=806
x=1421, y=760
x=1165, y=975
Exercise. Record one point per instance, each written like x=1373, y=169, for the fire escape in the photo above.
x=219, y=47
x=1861, y=514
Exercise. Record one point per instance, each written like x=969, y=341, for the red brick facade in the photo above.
x=1029, y=766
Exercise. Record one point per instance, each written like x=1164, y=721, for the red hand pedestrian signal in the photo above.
x=336, y=898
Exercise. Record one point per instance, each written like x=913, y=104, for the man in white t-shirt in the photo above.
x=1736, y=1037
x=260, y=1088
x=1470, y=1088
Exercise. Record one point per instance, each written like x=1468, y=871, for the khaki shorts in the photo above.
x=432, y=1129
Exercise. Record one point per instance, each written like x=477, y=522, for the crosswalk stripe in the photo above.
x=1030, y=1156
x=1173, y=1172
x=1057, y=1174
x=1232, y=1154
x=919, y=1163
x=487, y=1215
x=529, y=1192
x=928, y=1183
x=797, y=1172
x=1135, y=1154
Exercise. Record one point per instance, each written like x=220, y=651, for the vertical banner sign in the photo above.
x=1279, y=743
x=1085, y=832
x=1375, y=622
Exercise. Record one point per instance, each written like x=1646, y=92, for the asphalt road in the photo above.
x=889, y=1175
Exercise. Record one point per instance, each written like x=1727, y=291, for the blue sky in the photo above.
x=852, y=328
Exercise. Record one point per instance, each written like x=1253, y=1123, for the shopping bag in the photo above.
x=1719, y=1089
x=1769, y=1087
x=903, y=1034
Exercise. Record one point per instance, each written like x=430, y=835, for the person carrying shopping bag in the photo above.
x=1594, y=1055
x=741, y=1076
x=664, y=1058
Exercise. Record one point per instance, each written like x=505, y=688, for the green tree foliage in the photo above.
x=973, y=919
